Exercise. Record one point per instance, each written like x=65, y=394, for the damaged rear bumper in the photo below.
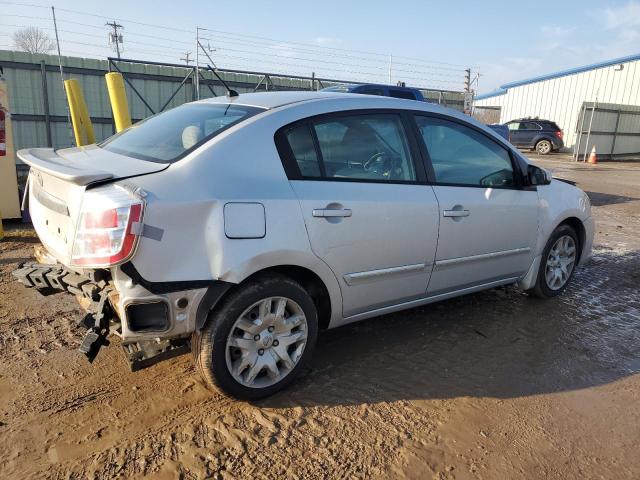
x=50, y=279
x=153, y=326
x=93, y=291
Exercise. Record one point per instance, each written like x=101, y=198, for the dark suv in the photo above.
x=542, y=135
x=397, y=91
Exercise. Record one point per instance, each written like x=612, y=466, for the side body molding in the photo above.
x=383, y=273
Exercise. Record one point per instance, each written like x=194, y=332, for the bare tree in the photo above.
x=33, y=40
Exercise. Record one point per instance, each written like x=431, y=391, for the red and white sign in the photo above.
x=3, y=133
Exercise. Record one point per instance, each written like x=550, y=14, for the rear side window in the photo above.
x=371, y=147
x=304, y=151
x=529, y=126
x=367, y=147
x=550, y=126
x=463, y=156
x=169, y=136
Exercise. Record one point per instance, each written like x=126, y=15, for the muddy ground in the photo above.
x=491, y=385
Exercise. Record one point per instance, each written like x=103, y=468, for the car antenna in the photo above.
x=230, y=92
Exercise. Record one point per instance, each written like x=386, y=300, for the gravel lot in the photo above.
x=491, y=385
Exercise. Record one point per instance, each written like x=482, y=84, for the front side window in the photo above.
x=168, y=136
x=513, y=125
x=366, y=147
x=463, y=156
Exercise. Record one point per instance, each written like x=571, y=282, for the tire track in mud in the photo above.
x=250, y=441
x=210, y=434
x=173, y=425
x=228, y=438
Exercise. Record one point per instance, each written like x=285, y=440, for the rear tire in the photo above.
x=559, y=259
x=544, y=147
x=259, y=339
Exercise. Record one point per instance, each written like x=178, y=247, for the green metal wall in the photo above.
x=156, y=83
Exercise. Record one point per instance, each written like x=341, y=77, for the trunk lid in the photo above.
x=57, y=182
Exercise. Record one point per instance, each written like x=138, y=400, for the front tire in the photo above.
x=259, y=338
x=559, y=259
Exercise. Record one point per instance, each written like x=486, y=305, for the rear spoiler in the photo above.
x=48, y=161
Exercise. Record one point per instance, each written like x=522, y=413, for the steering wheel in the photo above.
x=376, y=160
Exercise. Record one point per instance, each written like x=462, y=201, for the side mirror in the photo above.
x=538, y=176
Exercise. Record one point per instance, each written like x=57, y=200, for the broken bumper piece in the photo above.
x=143, y=354
x=50, y=279
x=95, y=290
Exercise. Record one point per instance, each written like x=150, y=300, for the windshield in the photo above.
x=169, y=136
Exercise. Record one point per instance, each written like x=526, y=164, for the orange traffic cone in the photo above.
x=593, y=158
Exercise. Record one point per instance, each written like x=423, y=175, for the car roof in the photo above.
x=531, y=120
x=270, y=100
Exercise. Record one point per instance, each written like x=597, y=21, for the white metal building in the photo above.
x=569, y=97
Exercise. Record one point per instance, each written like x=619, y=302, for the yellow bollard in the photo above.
x=82, y=127
x=118, y=98
x=9, y=197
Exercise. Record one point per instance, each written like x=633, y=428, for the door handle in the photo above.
x=455, y=213
x=331, y=213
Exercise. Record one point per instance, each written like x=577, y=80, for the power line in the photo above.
x=258, y=50
x=383, y=56
x=31, y=5
x=223, y=40
x=91, y=35
x=234, y=34
x=311, y=45
x=433, y=75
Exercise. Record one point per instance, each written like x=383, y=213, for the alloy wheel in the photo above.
x=560, y=262
x=266, y=342
x=543, y=147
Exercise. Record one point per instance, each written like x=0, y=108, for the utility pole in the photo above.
x=468, y=93
x=390, y=67
x=467, y=80
x=115, y=37
x=196, y=80
x=186, y=58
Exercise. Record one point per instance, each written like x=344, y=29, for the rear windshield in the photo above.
x=169, y=136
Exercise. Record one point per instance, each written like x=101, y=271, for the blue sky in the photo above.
x=431, y=41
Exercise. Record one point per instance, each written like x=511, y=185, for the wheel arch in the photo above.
x=311, y=282
x=576, y=224
x=540, y=138
x=528, y=280
x=307, y=278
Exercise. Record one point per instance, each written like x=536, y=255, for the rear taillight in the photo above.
x=559, y=134
x=104, y=235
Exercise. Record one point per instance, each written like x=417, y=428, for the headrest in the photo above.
x=190, y=136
